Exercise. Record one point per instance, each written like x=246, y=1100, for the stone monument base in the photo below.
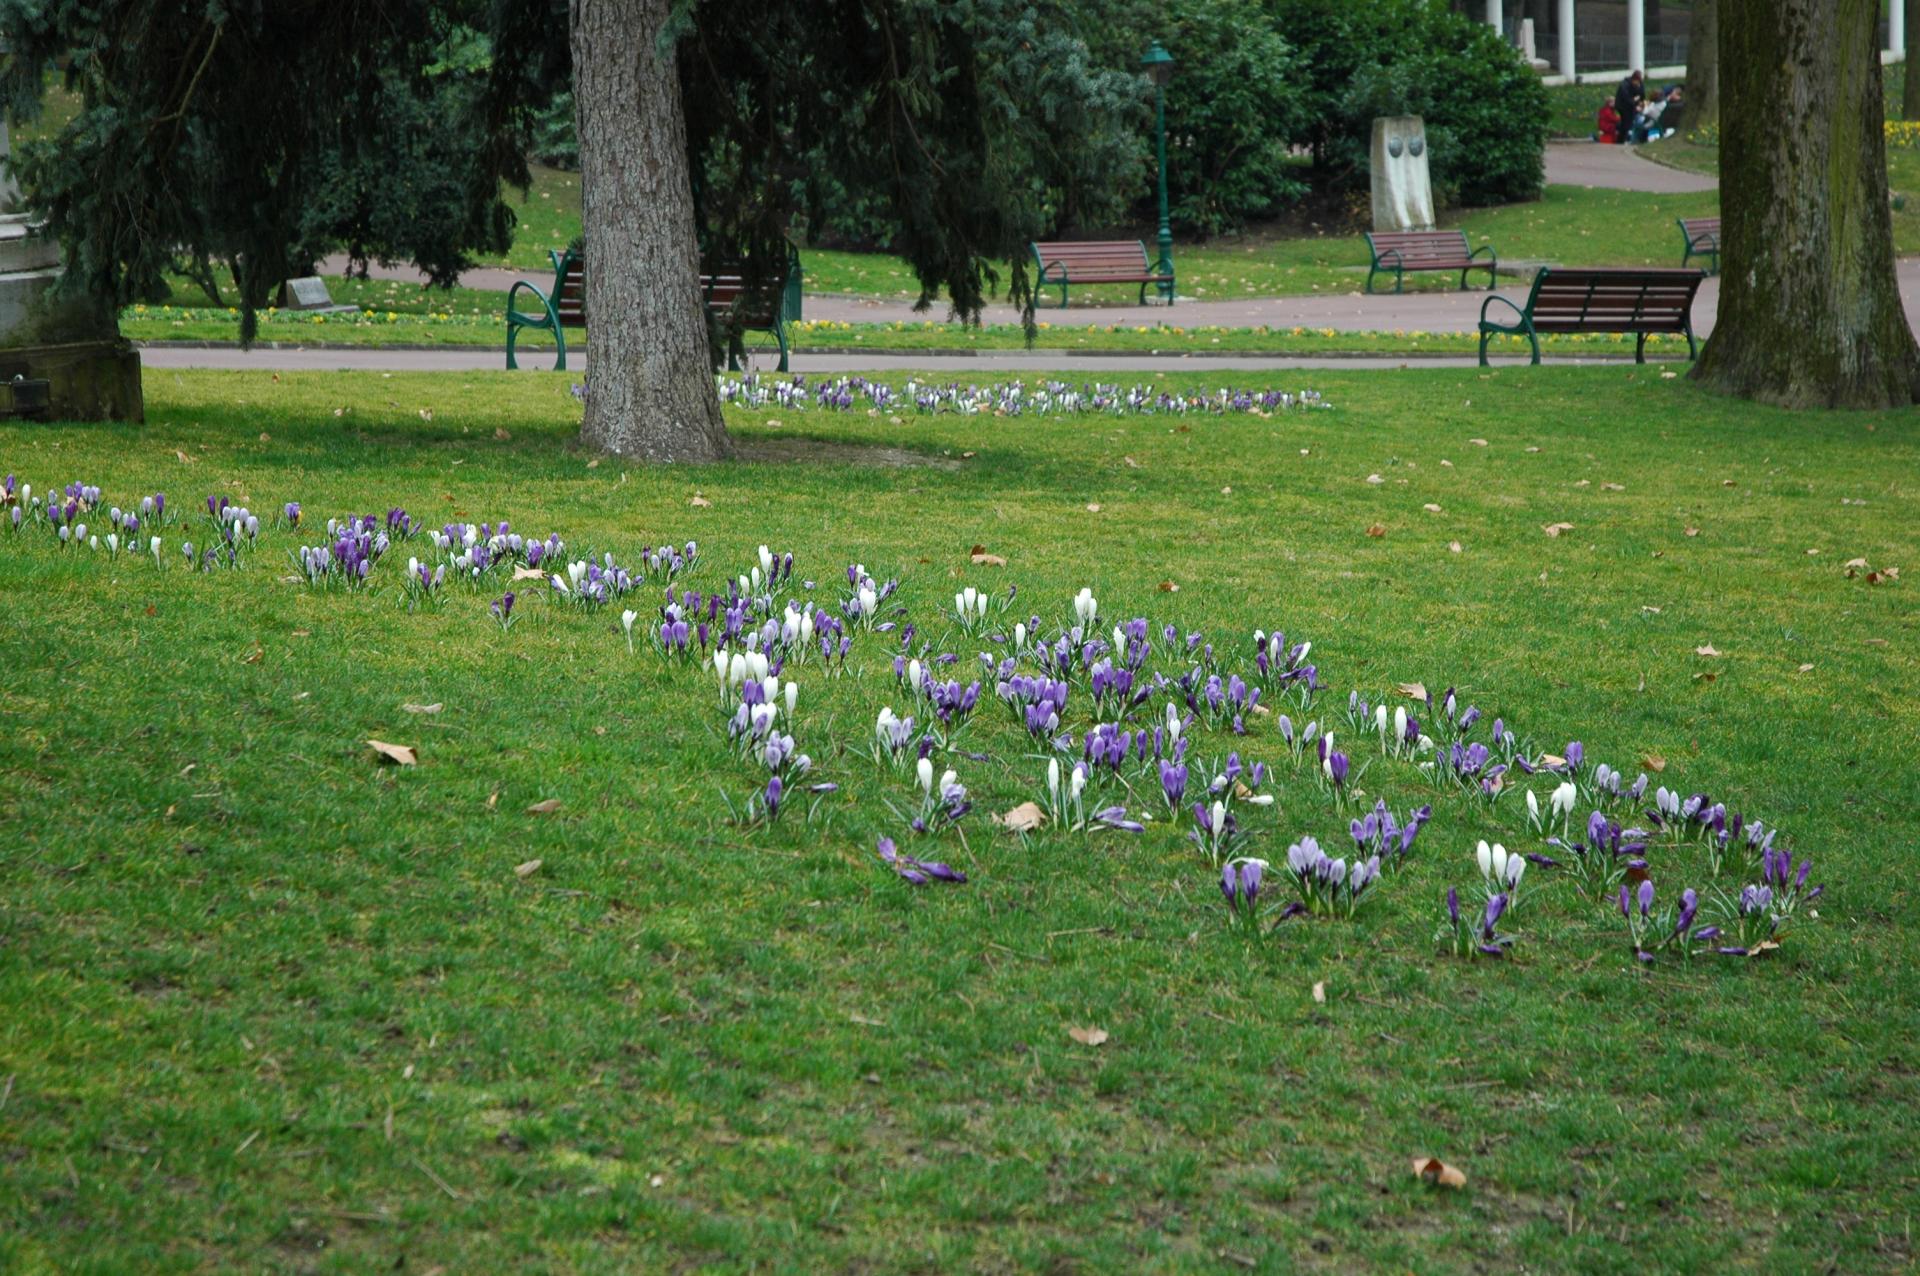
x=86, y=380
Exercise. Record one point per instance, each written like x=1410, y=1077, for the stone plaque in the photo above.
x=1402, y=191
x=308, y=294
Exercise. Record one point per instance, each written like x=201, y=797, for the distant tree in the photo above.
x=1702, y=100
x=1810, y=312
x=258, y=136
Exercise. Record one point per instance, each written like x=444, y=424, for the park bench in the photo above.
x=1402, y=250
x=1702, y=236
x=1639, y=301
x=725, y=294
x=1121, y=261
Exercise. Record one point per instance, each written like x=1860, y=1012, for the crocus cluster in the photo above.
x=1500, y=872
x=1378, y=833
x=794, y=393
x=919, y=872
x=1474, y=934
x=1608, y=853
x=941, y=804
x=1279, y=665
x=1328, y=886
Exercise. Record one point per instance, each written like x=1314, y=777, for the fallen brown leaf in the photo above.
x=502, y=433
x=420, y=708
x=1806, y=668
x=981, y=558
x=546, y=806
x=1375, y=479
x=1377, y=530
x=1431, y=508
x=1693, y=531
x=1169, y=587
x=700, y=503
x=1437, y=1173
x=528, y=573
x=1554, y=529
x=493, y=800
x=398, y=754
x=1088, y=1036
x=1093, y=507
x=1413, y=690
x=1478, y=442
x=1024, y=818
x=1654, y=762
x=1320, y=992
x=1708, y=650
x=1453, y=547
x=527, y=869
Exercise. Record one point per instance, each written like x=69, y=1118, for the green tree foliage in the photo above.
x=1485, y=110
x=259, y=136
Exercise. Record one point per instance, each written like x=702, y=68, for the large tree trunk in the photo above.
x=650, y=391
x=1809, y=310
x=1910, y=92
x=1701, y=109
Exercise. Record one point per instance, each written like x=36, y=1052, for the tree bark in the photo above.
x=1810, y=312
x=1702, y=100
x=1910, y=92
x=650, y=390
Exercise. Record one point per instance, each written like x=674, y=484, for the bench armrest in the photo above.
x=546, y=305
x=1484, y=248
x=1058, y=265
x=1488, y=304
x=1380, y=258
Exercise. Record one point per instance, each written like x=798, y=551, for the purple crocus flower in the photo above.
x=919, y=872
x=774, y=789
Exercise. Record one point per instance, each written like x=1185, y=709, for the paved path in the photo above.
x=1619, y=168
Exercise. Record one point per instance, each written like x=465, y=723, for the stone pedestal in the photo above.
x=1402, y=190
x=86, y=380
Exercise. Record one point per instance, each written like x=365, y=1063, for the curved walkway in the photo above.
x=1622, y=168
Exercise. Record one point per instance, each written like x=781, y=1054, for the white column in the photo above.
x=1897, y=29
x=1567, y=67
x=1495, y=18
x=1636, y=35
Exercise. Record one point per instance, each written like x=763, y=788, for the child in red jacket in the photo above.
x=1608, y=123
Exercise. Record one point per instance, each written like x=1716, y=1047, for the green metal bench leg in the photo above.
x=1692, y=353
x=1533, y=339
x=512, y=332
x=559, y=348
x=1640, y=348
x=1371, y=272
x=780, y=335
x=1485, y=337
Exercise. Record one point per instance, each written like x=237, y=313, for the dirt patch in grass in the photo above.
x=780, y=451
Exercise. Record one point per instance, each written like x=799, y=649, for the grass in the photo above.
x=275, y=1007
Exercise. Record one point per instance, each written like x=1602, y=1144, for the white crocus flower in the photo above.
x=1086, y=607
x=1561, y=803
x=153, y=547
x=626, y=622
x=1484, y=854
x=1078, y=784
x=869, y=601
x=1173, y=727
x=766, y=560
x=1533, y=809
x=793, y=696
x=1380, y=720
x=1053, y=775
x=113, y=543
x=1019, y=637
x=925, y=772
x=1400, y=723
x=757, y=665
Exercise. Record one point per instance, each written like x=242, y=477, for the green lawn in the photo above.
x=275, y=1007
